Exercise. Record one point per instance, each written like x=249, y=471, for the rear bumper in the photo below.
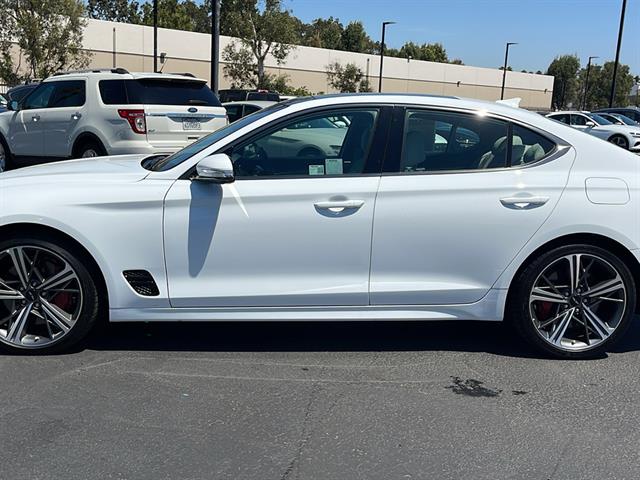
x=141, y=147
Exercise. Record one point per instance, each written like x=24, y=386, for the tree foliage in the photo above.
x=565, y=87
x=430, y=52
x=347, y=78
x=114, y=10
x=261, y=32
x=599, y=88
x=48, y=34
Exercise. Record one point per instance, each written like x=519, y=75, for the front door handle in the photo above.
x=76, y=115
x=524, y=203
x=339, y=206
x=35, y=118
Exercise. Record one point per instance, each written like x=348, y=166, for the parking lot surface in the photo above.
x=319, y=401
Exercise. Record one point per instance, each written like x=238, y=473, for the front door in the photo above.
x=295, y=227
x=26, y=136
x=456, y=203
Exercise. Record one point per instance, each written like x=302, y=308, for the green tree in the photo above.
x=600, y=78
x=114, y=10
x=430, y=52
x=173, y=14
x=355, y=39
x=267, y=31
x=280, y=84
x=48, y=35
x=324, y=33
x=565, y=86
x=347, y=78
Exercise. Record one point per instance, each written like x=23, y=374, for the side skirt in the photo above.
x=490, y=308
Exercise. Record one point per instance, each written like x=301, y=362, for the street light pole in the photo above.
x=615, y=65
x=586, y=84
x=384, y=28
x=155, y=36
x=504, y=72
x=215, y=44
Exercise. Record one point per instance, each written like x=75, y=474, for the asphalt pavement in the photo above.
x=318, y=401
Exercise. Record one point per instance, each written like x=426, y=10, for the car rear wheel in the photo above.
x=89, y=149
x=48, y=299
x=574, y=301
x=620, y=141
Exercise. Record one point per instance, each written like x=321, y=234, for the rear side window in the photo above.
x=68, y=94
x=437, y=141
x=157, y=92
x=528, y=146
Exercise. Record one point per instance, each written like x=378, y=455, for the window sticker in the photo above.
x=334, y=166
x=316, y=169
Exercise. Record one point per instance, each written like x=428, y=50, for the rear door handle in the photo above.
x=76, y=115
x=35, y=118
x=340, y=205
x=524, y=203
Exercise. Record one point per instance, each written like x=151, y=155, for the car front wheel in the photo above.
x=574, y=301
x=48, y=298
x=620, y=141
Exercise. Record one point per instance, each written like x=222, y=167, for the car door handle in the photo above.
x=76, y=115
x=524, y=203
x=35, y=118
x=339, y=205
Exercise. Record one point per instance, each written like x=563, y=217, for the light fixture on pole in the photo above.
x=504, y=73
x=586, y=84
x=384, y=28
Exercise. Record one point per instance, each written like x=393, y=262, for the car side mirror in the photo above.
x=590, y=124
x=13, y=105
x=216, y=168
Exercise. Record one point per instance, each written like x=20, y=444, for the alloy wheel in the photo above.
x=620, y=141
x=89, y=153
x=577, y=302
x=40, y=297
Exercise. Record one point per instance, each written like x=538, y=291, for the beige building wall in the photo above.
x=131, y=47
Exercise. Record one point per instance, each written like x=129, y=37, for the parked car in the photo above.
x=3, y=101
x=397, y=220
x=631, y=112
x=21, y=91
x=108, y=112
x=624, y=136
x=618, y=119
x=239, y=95
x=237, y=110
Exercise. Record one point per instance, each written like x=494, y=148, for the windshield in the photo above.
x=598, y=119
x=205, y=142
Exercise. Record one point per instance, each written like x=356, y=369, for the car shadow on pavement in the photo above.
x=460, y=336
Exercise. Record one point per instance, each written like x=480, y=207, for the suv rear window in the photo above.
x=268, y=96
x=157, y=92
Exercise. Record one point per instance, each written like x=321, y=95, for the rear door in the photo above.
x=65, y=113
x=450, y=214
x=177, y=111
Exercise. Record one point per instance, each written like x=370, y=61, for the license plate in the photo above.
x=191, y=125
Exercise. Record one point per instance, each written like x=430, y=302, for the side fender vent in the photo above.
x=142, y=282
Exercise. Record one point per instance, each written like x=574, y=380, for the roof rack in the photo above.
x=120, y=71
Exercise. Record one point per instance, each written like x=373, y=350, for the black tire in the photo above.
x=90, y=306
x=519, y=314
x=89, y=145
x=8, y=159
x=620, y=141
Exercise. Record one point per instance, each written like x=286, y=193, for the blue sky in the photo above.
x=476, y=30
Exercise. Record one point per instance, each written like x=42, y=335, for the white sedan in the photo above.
x=426, y=208
x=625, y=136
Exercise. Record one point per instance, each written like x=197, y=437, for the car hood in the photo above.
x=121, y=168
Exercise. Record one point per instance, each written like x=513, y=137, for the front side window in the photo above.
x=438, y=141
x=68, y=94
x=316, y=145
x=579, y=120
x=40, y=97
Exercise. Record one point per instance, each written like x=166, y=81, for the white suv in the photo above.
x=108, y=112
